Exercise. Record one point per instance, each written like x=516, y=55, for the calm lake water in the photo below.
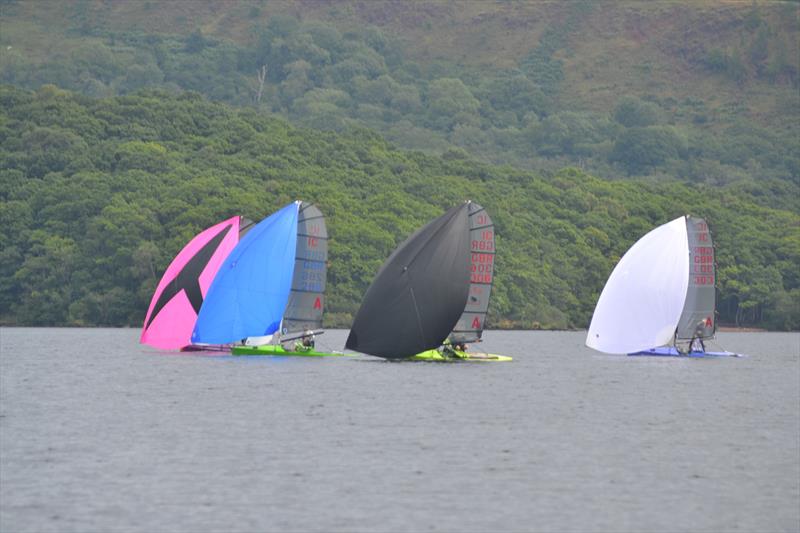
x=100, y=434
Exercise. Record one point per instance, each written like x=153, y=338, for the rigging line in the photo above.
x=419, y=318
x=716, y=269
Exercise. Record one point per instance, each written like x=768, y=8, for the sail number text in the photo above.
x=482, y=268
x=703, y=262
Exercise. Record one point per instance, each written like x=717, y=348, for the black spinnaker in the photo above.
x=419, y=293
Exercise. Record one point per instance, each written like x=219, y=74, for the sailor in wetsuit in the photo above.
x=696, y=344
x=455, y=350
x=306, y=342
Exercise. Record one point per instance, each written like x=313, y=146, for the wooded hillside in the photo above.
x=98, y=194
x=688, y=91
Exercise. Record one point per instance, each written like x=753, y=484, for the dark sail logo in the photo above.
x=187, y=279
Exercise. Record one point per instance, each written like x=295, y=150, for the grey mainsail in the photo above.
x=307, y=297
x=697, y=318
x=469, y=327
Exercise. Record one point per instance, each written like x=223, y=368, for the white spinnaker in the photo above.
x=642, y=301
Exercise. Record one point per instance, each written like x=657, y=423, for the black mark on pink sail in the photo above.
x=187, y=279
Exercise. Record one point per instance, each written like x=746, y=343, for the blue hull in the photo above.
x=670, y=351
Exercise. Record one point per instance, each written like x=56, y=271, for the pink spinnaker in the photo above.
x=173, y=309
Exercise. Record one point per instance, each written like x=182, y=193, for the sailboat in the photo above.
x=660, y=298
x=433, y=290
x=271, y=287
x=181, y=291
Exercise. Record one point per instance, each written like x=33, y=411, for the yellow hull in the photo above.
x=436, y=355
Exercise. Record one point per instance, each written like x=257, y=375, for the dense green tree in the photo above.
x=634, y=112
x=449, y=100
x=97, y=196
x=638, y=149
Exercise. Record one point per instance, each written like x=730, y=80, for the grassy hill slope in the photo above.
x=534, y=84
x=626, y=47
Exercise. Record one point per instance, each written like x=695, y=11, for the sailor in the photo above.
x=455, y=351
x=306, y=342
x=696, y=344
x=447, y=348
x=308, y=338
x=461, y=349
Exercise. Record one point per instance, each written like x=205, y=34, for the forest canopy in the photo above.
x=98, y=194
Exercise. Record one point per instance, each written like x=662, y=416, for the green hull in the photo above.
x=436, y=355
x=272, y=349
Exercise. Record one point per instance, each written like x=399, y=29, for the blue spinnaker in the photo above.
x=248, y=296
